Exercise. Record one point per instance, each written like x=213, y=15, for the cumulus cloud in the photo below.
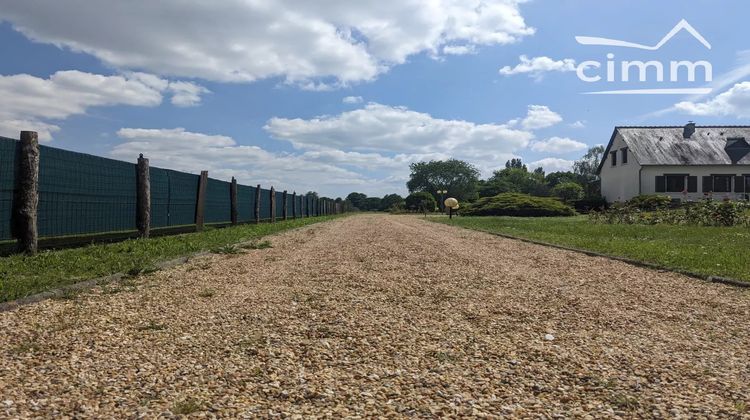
x=223, y=157
x=297, y=40
x=538, y=117
x=352, y=100
x=459, y=49
x=578, y=124
x=395, y=129
x=551, y=164
x=558, y=145
x=734, y=102
x=30, y=101
x=537, y=66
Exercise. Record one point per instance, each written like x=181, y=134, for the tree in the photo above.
x=390, y=201
x=372, y=204
x=515, y=164
x=311, y=194
x=421, y=201
x=358, y=200
x=459, y=178
x=587, y=168
x=568, y=191
x=555, y=178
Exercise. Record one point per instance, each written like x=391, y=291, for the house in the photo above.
x=685, y=162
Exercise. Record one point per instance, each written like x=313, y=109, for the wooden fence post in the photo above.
x=27, y=193
x=294, y=205
x=273, y=205
x=200, y=207
x=143, y=197
x=257, y=204
x=233, y=201
x=284, y=209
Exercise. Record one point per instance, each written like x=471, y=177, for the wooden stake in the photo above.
x=27, y=193
x=200, y=207
x=284, y=209
x=233, y=201
x=143, y=197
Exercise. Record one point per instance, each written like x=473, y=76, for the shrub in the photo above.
x=568, y=191
x=421, y=201
x=704, y=213
x=516, y=204
x=649, y=202
x=590, y=204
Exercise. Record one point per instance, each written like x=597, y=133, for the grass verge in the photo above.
x=21, y=275
x=710, y=251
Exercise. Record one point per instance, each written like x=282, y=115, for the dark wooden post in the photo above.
x=285, y=205
x=294, y=204
x=143, y=197
x=200, y=206
x=27, y=193
x=257, y=204
x=273, y=205
x=233, y=201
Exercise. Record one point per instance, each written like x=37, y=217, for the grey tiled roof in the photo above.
x=666, y=145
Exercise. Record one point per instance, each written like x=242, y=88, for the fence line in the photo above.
x=54, y=193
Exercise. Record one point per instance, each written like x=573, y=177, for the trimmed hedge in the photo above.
x=649, y=202
x=516, y=204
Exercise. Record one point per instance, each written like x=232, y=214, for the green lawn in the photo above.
x=717, y=251
x=21, y=275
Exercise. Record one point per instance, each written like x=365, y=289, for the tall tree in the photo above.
x=358, y=200
x=515, y=163
x=459, y=178
x=586, y=168
x=391, y=200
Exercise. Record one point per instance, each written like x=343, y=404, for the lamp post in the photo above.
x=452, y=204
x=442, y=197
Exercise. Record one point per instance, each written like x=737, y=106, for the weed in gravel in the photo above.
x=257, y=245
x=68, y=294
x=624, y=402
x=741, y=407
x=25, y=347
x=443, y=356
x=206, y=293
x=226, y=250
x=152, y=326
x=186, y=406
x=140, y=270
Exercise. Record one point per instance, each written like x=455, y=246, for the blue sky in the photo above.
x=340, y=96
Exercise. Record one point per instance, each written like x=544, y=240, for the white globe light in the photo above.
x=451, y=202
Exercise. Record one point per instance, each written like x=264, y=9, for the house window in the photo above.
x=722, y=183
x=613, y=157
x=624, y=153
x=675, y=183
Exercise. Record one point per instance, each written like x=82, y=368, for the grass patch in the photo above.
x=706, y=250
x=22, y=275
x=206, y=293
x=186, y=406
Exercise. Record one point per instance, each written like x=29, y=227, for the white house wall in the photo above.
x=620, y=182
x=649, y=174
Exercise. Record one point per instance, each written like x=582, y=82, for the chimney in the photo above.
x=689, y=130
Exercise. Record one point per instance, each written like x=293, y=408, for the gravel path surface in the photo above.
x=391, y=315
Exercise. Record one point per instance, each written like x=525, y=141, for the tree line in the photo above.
x=462, y=181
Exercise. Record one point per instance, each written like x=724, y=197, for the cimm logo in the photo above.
x=624, y=71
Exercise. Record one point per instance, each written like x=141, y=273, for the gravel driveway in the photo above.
x=392, y=315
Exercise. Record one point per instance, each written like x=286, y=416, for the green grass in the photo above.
x=22, y=275
x=710, y=251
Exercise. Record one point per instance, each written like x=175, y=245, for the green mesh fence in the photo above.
x=265, y=204
x=84, y=194
x=218, y=205
x=81, y=193
x=7, y=169
x=245, y=203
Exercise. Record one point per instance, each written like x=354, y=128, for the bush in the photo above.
x=649, y=202
x=568, y=191
x=516, y=204
x=704, y=213
x=590, y=204
x=421, y=201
